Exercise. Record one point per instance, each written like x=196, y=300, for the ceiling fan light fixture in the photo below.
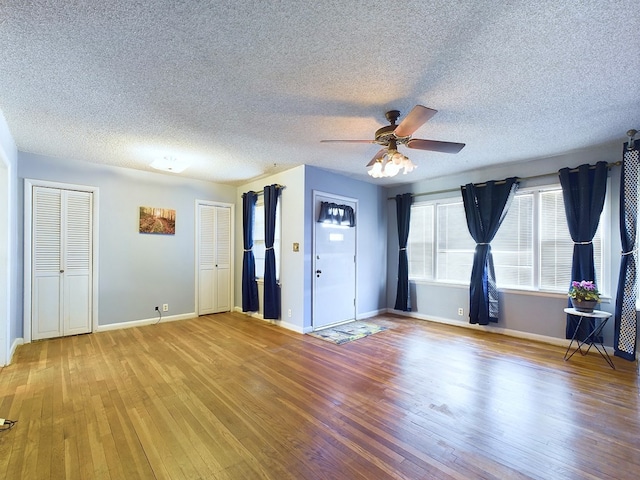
x=408, y=166
x=391, y=169
x=396, y=157
x=390, y=164
x=376, y=169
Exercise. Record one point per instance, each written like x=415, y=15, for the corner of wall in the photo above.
x=14, y=345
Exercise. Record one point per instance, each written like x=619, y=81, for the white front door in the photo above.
x=334, y=268
x=62, y=257
x=214, y=259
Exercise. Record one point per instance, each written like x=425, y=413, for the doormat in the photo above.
x=348, y=332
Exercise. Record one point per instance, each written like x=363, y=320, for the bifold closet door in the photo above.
x=214, y=259
x=61, y=262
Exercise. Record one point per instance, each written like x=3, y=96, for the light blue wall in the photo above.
x=525, y=312
x=13, y=324
x=297, y=226
x=371, y=247
x=136, y=271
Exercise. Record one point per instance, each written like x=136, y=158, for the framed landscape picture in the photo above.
x=157, y=220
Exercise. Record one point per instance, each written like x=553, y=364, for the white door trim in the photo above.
x=5, y=244
x=337, y=198
x=28, y=214
x=196, y=235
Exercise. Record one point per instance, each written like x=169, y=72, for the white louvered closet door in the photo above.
x=61, y=262
x=214, y=259
x=222, y=289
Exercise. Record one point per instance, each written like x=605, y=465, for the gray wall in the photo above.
x=530, y=313
x=136, y=271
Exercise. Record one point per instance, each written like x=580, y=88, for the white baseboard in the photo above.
x=297, y=328
x=279, y=323
x=16, y=343
x=287, y=325
x=560, y=342
x=146, y=321
x=373, y=313
x=249, y=314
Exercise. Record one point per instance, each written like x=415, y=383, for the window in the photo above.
x=420, y=243
x=259, y=247
x=455, y=247
x=512, y=247
x=556, y=246
x=532, y=249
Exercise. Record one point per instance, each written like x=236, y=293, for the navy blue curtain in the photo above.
x=485, y=206
x=403, y=211
x=249, y=285
x=271, y=289
x=626, y=324
x=583, y=191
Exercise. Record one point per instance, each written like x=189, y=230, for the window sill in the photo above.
x=510, y=291
x=439, y=284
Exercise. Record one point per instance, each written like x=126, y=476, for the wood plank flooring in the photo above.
x=230, y=397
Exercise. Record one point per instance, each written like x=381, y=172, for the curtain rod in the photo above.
x=499, y=182
x=261, y=192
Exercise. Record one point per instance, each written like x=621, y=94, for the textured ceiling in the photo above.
x=240, y=89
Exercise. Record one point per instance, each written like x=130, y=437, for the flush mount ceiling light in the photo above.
x=390, y=163
x=169, y=164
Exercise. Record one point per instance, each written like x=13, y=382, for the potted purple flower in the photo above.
x=584, y=295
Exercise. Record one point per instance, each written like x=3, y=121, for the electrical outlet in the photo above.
x=157, y=309
x=289, y=312
x=165, y=307
x=461, y=311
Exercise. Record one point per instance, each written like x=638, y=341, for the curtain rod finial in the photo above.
x=631, y=133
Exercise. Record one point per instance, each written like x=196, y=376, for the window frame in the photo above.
x=277, y=243
x=603, y=276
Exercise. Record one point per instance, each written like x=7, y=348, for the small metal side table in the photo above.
x=601, y=318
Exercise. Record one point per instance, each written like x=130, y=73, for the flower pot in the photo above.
x=585, y=306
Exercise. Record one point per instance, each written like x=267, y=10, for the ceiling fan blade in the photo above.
x=377, y=156
x=435, y=146
x=347, y=141
x=416, y=118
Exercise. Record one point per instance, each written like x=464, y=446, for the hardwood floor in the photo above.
x=230, y=397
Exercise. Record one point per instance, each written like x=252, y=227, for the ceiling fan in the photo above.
x=388, y=161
